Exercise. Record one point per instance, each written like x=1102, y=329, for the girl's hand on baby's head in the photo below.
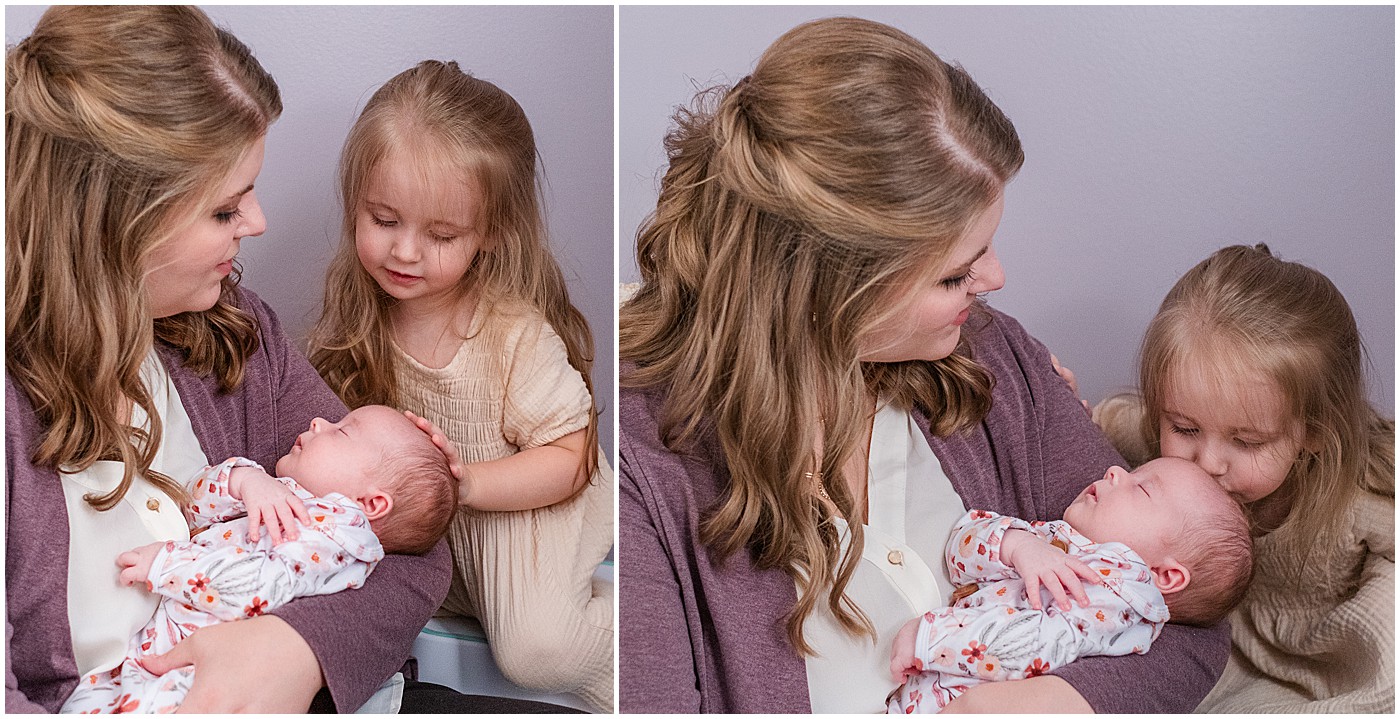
x=449, y=450
x=270, y=503
x=1041, y=564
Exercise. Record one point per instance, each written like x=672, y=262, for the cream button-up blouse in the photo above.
x=901, y=574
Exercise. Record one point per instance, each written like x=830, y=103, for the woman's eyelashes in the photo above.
x=957, y=281
x=226, y=217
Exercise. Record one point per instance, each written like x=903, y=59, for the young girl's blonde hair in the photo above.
x=120, y=125
x=479, y=135
x=1261, y=316
x=799, y=207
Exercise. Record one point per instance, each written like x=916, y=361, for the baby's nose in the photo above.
x=317, y=424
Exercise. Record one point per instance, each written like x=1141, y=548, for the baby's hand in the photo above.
x=1038, y=563
x=136, y=564
x=903, y=663
x=268, y=502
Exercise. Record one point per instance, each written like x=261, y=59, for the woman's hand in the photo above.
x=1046, y=694
x=1068, y=376
x=259, y=665
x=1039, y=564
x=268, y=502
x=454, y=460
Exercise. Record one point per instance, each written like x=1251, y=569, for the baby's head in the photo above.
x=377, y=457
x=1189, y=530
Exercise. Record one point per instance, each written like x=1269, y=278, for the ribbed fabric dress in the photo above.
x=526, y=576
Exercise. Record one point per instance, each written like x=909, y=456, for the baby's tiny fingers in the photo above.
x=300, y=511
x=254, y=521
x=1033, y=591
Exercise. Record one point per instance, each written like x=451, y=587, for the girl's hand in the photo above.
x=268, y=502
x=136, y=564
x=1038, y=563
x=1068, y=376
x=258, y=665
x=449, y=450
x=903, y=663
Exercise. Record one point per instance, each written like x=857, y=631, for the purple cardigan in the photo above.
x=279, y=396
x=701, y=636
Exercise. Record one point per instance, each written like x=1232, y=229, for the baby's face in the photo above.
x=338, y=456
x=1145, y=509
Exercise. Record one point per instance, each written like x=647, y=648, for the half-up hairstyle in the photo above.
x=470, y=132
x=120, y=123
x=1243, y=312
x=798, y=207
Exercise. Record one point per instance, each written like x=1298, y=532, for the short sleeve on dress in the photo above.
x=545, y=397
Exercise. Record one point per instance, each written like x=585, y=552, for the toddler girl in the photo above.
x=444, y=300
x=1252, y=369
x=1163, y=543
x=369, y=484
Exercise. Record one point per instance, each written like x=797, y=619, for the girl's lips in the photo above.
x=225, y=267
x=402, y=278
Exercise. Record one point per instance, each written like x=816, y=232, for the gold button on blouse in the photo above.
x=153, y=504
x=896, y=556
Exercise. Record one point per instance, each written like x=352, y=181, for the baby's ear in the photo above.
x=1171, y=576
x=376, y=503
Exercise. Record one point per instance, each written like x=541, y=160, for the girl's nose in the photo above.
x=405, y=248
x=1211, y=459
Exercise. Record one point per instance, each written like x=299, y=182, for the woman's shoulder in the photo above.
x=999, y=335
x=646, y=457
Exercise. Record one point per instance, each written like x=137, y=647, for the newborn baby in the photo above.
x=1163, y=543
x=368, y=484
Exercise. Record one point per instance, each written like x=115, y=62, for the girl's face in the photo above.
x=929, y=323
x=1238, y=433
x=185, y=273
x=415, y=237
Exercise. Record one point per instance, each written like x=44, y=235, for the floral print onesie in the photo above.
x=219, y=576
x=995, y=635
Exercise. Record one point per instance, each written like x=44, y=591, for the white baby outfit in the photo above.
x=220, y=576
x=995, y=635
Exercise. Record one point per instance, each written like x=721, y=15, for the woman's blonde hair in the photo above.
x=478, y=135
x=1247, y=313
x=120, y=124
x=798, y=207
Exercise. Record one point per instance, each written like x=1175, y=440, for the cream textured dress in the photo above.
x=1321, y=639
x=526, y=576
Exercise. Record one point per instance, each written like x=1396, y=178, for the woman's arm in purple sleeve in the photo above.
x=656, y=663
x=360, y=637
x=15, y=700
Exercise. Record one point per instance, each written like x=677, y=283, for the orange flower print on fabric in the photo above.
x=974, y=651
x=255, y=608
x=1037, y=668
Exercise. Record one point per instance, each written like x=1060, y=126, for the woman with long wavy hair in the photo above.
x=813, y=391
x=133, y=138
